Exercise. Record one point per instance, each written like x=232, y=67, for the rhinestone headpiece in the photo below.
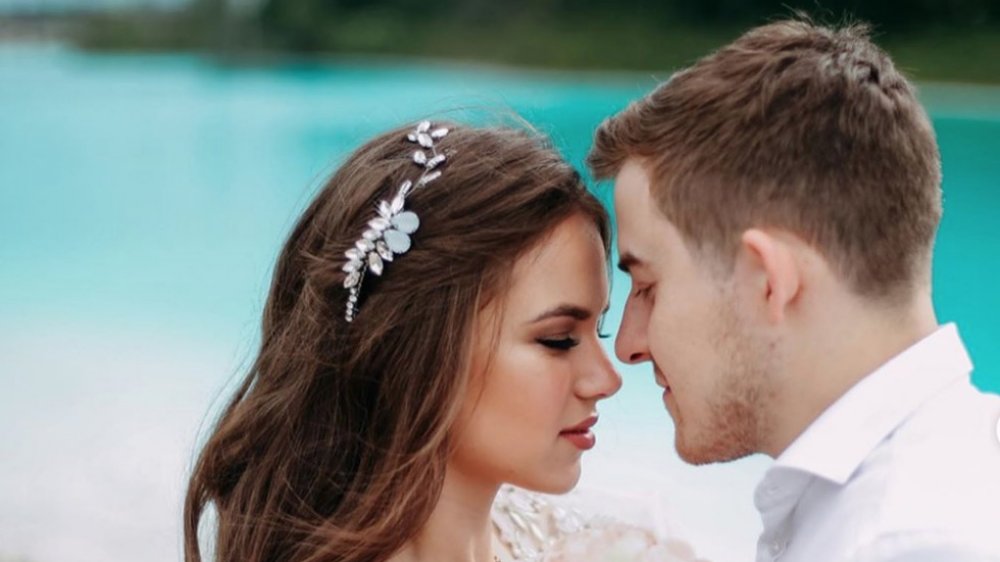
x=388, y=234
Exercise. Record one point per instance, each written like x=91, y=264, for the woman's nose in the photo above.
x=602, y=380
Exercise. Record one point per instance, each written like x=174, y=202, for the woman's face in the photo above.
x=538, y=367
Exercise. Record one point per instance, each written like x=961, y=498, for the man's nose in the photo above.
x=631, y=344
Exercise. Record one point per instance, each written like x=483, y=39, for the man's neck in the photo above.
x=459, y=528
x=838, y=356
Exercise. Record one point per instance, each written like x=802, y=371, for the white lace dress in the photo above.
x=534, y=528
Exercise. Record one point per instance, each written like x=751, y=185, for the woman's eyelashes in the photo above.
x=559, y=344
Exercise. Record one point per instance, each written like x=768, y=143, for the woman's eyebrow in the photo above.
x=570, y=310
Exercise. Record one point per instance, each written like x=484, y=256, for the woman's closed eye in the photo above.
x=559, y=344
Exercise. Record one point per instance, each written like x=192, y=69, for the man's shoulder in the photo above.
x=953, y=432
x=941, y=467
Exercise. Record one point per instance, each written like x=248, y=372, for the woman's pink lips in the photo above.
x=581, y=440
x=580, y=435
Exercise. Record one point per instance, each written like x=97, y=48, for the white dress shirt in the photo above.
x=904, y=467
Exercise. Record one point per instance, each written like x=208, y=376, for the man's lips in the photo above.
x=661, y=380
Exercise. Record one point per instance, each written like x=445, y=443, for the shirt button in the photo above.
x=777, y=548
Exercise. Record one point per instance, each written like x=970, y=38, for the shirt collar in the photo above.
x=845, y=434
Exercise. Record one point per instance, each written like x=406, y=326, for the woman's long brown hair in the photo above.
x=334, y=446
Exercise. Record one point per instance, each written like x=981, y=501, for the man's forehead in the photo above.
x=645, y=237
x=632, y=207
x=631, y=183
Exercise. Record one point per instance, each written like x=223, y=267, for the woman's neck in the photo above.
x=459, y=529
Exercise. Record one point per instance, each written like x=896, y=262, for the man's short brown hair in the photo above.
x=794, y=126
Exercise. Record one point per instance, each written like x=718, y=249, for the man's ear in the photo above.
x=776, y=274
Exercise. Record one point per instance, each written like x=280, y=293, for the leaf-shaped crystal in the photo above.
x=379, y=224
x=383, y=250
x=412, y=137
x=433, y=162
x=364, y=245
x=425, y=140
x=398, y=242
x=424, y=126
x=397, y=204
x=351, y=266
x=354, y=254
x=383, y=209
x=419, y=157
x=430, y=177
x=406, y=222
x=375, y=263
x=439, y=133
x=352, y=279
x=372, y=235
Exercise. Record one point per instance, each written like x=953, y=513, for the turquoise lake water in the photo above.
x=143, y=200
x=158, y=188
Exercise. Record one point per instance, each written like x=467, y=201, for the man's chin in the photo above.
x=710, y=453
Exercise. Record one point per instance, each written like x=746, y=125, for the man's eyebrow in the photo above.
x=627, y=262
x=570, y=310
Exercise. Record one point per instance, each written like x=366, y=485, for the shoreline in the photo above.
x=578, y=48
x=264, y=60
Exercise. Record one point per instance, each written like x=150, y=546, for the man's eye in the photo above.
x=563, y=344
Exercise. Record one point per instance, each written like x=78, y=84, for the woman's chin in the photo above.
x=553, y=482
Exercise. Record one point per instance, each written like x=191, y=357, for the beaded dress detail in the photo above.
x=534, y=528
x=528, y=525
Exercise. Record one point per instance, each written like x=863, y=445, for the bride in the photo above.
x=430, y=340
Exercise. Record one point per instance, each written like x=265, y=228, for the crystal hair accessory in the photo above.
x=388, y=234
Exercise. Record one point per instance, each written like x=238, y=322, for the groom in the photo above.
x=777, y=205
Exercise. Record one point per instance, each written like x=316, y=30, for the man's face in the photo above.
x=686, y=320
